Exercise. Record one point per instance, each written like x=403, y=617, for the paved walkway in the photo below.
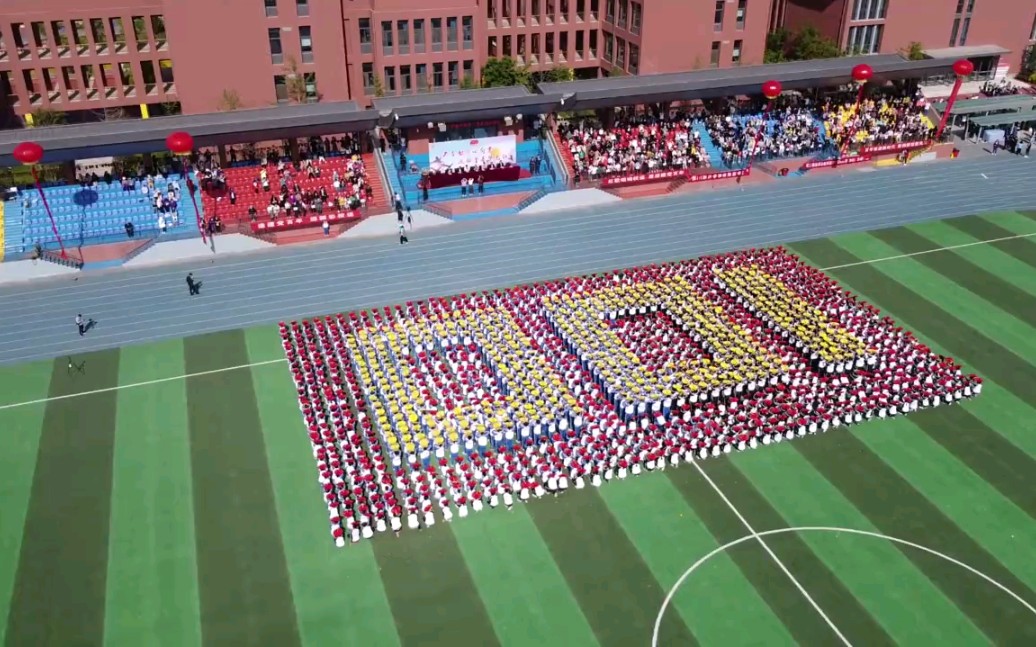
x=140, y=305
x=571, y=200
x=388, y=224
x=193, y=249
x=21, y=271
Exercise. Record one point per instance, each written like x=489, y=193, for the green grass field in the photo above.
x=185, y=511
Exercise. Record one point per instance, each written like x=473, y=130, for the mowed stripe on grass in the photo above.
x=879, y=491
x=338, y=594
x=671, y=538
x=906, y=603
x=20, y=446
x=242, y=577
x=59, y=594
x=152, y=570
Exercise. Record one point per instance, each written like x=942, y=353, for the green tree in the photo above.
x=810, y=44
x=504, y=72
x=776, y=45
x=379, y=87
x=468, y=83
x=44, y=117
x=559, y=74
x=914, y=51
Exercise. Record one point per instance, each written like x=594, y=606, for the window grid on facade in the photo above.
x=273, y=34
x=280, y=88
x=961, y=23
x=636, y=16
x=714, y=56
x=366, y=39
x=403, y=36
x=386, y=37
x=742, y=12
x=453, y=74
x=390, y=80
x=419, y=36
x=302, y=8
x=609, y=15
x=271, y=8
x=437, y=76
x=467, y=27
x=717, y=19
x=421, y=72
x=468, y=72
x=436, y=34
x=869, y=9
x=865, y=39
x=634, y=62
x=609, y=47
x=451, y=34
x=404, y=79
x=624, y=8
x=368, y=79
x=306, y=43
x=735, y=54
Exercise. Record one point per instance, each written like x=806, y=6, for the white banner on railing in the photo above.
x=471, y=153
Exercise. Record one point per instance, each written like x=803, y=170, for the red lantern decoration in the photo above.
x=862, y=73
x=963, y=67
x=180, y=143
x=28, y=153
x=772, y=89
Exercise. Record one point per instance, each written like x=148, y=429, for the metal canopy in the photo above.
x=463, y=105
x=967, y=51
x=1006, y=119
x=131, y=137
x=706, y=84
x=976, y=106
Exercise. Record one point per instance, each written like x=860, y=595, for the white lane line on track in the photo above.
x=272, y=361
x=851, y=531
x=776, y=560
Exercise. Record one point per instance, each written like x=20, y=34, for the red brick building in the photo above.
x=82, y=56
x=993, y=33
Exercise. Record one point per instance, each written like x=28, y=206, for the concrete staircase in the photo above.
x=374, y=178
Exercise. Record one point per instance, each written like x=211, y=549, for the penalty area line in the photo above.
x=15, y=405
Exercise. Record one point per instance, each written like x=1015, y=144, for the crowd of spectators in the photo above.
x=882, y=119
x=790, y=129
x=638, y=144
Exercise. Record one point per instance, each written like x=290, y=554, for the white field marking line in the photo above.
x=865, y=533
x=135, y=385
x=272, y=361
x=928, y=251
x=776, y=560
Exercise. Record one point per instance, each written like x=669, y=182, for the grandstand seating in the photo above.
x=240, y=178
x=86, y=215
x=525, y=152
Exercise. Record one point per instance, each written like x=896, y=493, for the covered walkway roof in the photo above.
x=707, y=84
x=992, y=104
x=967, y=51
x=1005, y=119
x=135, y=136
x=464, y=105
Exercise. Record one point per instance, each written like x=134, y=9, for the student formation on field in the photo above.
x=435, y=410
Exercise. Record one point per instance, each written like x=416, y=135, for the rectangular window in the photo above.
x=636, y=15
x=535, y=12
x=165, y=68
x=403, y=32
x=386, y=37
x=742, y=12
x=118, y=34
x=98, y=32
x=366, y=39
x=451, y=34
x=620, y=53
x=126, y=74
x=302, y=8
x=609, y=15
x=634, y=59
x=964, y=31
x=878, y=9
x=404, y=79
x=624, y=10
x=86, y=73
x=80, y=38
x=421, y=72
x=390, y=80
x=858, y=9
x=717, y=16
x=609, y=47
x=453, y=71
x=971, y=5
x=735, y=55
x=419, y=36
x=306, y=43
x=467, y=30
x=593, y=43
x=147, y=73
x=507, y=46
x=280, y=87
x=311, y=87
x=436, y=34
x=714, y=57
x=140, y=32
x=468, y=73
x=61, y=35
x=954, y=31
x=521, y=47
x=960, y=6
x=437, y=76
x=491, y=9
x=39, y=34
x=158, y=30
x=368, y=79
x=271, y=8
x=273, y=34
x=536, y=45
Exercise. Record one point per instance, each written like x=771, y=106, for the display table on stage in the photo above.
x=503, y=174
x=309, y=220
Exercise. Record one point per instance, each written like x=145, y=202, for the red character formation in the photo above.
x=438, y=409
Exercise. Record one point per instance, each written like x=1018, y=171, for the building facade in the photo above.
x=975, y=28
x=146, y=57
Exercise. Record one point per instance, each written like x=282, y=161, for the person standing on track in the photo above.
x=193, y=287
x=81, y=324
x=402, y=235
